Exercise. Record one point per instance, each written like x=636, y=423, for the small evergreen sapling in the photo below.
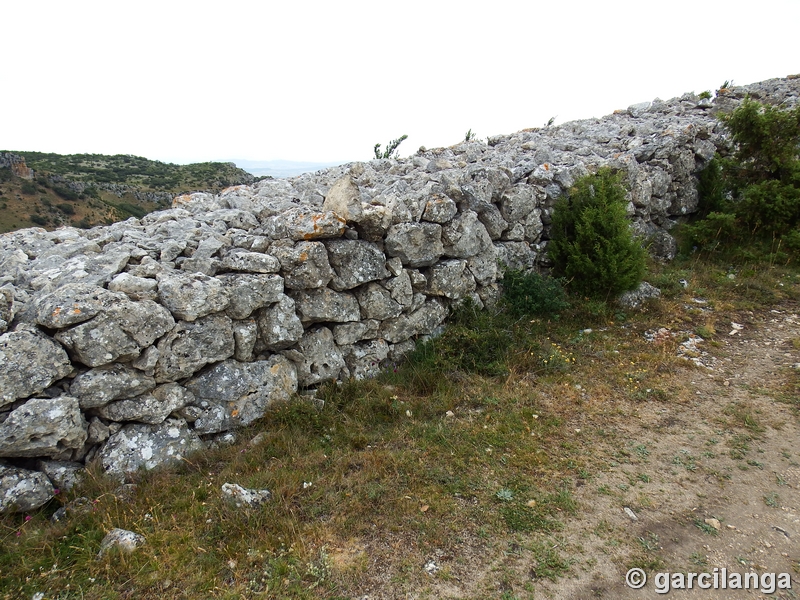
x=592, y=245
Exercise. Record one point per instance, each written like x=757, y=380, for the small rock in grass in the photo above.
x=122, y=539
x=242, y=497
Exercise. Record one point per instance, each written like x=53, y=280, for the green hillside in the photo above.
x=84, y=190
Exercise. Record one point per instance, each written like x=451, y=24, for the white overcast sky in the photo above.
x=324, y=81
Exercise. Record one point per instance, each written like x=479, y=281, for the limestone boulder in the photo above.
x=344, y=200
x=136, y=288
x=250, y=292
x=366, y=359
x=279, y=326
x=29, y=362
x=376, y=302
x=22, y=490
x=355, y=262
x=305, y=265
x=118, y=333
x=64, y=475
x=251, y=262
x=416, y=244
x=43, y=427
x=140, y=446
x=72, y=304
x=234, y=394
x=317, y=357
x=424, y=320
x=451, y=279
x=191, y=346
x=97, y=387
x=245, y=335
x=465, y=236
x=325, y=305
x=152, y=408
x=189, y=296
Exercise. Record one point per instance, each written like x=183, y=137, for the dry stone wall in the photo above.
x=136, y=343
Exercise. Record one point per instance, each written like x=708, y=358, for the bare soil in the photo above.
x=710, y=476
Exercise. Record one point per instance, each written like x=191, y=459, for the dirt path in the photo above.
x=712, y=481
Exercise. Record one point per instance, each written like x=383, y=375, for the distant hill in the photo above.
x=84, y=190
x=281, y=168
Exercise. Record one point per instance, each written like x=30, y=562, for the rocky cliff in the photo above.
x=136, y=343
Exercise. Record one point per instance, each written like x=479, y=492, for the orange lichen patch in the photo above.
x=303, y=256
x=235, y=412
x=546, y=167
x=182, y=199
x=57, y=311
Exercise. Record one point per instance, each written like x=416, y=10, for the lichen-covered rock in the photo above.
x=366, y=359
x=136, y=288
x=191, y=346
x=355, y=262
x=376, y=302
x=416, y=244
x=520, y=256
x=121, y=540
x=233, y=394
x=152, y=408
x=251, y=292
x=305, y=265
x=22, y=490
x=138, y=446
x=97, y=387
x=244, y=498
x=465, y=236
x=64, y=475
x=43, y=427
x=346, y=334
x=304, y=224
x=279, y=326
x=245, y=335
x=73, y=303
x=450, y=278
x=325, y=305
x=317, y=357
x=6, y=306
x=422, y=321
x=118, y=333
x=439, y=209
x=344, y=199
x=189, y=296
x=635, y=298
x=251, y=262
x=29, y=363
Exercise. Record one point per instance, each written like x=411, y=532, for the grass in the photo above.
x=475, y=444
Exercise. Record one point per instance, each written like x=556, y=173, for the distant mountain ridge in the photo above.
x=50, y=190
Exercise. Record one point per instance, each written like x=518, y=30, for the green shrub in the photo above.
x=28, y=188
x=38, y=220
x=65, y=192
x=529, y=294
x=592, y=245
x=66, y=208
x=754, y=194
x=391, y=148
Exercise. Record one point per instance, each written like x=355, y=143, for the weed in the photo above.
x=772, y=500
x=391, y=150
x=698, y=559
x=705, y=527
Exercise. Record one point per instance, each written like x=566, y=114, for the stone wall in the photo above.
x=138, y=342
